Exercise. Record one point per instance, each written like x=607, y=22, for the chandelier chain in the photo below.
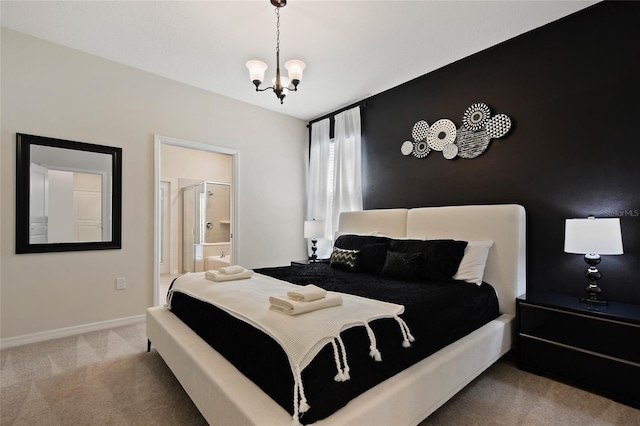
x=278, y=30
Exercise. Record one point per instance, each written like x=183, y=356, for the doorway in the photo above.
x=180, y=164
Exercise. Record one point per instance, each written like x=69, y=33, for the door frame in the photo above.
x=158, y=141
x=165, y=222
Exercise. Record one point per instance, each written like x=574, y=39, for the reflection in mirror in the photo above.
x=68, y=195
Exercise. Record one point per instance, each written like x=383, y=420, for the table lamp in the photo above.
x=313, y=229
x=593, y=237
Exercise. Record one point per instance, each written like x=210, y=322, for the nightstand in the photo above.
x=307, y=262
x=597, y=349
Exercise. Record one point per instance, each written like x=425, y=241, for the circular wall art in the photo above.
x=498, y=126
x=441, y=133
x=476, y=116
x=420, y=149
x=469, y=141
x=471, y=144
x=406, y=148
x=450, y=151
x=420, y=131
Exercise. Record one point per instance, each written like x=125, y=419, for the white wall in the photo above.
x=50, y=90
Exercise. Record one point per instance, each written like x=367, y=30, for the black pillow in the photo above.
x=401, y=265
x=410, y=246
x=440, y=258
x=371, y=258
x=344, y=259
x=355, y=242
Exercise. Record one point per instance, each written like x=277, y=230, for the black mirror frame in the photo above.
x=23, y=185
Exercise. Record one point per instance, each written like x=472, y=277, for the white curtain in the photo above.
x=325, y=203
x=347, y=179
x=318, y=182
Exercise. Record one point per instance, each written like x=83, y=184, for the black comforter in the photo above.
x=438, y=313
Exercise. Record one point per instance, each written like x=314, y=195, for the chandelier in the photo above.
x=281, y=85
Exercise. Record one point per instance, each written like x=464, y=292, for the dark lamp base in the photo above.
x=593, y=302
x=314, y=257
x=593, y=275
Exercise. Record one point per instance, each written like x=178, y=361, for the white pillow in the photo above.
x=471, y=267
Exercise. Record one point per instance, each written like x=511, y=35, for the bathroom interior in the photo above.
x=206, y=226
x=195, y=191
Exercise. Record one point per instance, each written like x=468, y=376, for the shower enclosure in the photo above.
x=206, y=226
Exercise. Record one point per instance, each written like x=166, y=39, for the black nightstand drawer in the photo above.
x=607, y=337
x=619, y=380
x=592, y=347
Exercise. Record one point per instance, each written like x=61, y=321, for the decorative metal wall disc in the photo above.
x=450, y=151
x=420, y=149
x=498, y=126
x=476, y=116
x=420, y=131
x=441, y=133
x=471, y=144
x=406, y=148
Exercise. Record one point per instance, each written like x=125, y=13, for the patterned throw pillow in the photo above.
x=344, y=259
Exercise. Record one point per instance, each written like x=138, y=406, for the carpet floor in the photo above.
x=107, y=378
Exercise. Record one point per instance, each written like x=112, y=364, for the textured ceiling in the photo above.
x=353, y=49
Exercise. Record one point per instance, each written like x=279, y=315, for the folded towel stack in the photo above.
x=287, y=306
x=306, y=299
x=231, y=270
x=229, y=273
x=308, y=293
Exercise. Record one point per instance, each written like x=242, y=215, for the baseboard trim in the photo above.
x=68, y=331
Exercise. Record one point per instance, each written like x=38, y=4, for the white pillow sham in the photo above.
x=471, y=267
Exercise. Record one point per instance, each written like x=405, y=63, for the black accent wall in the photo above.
x=572, y=90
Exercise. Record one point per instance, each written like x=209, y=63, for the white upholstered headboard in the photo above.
x=504, y=224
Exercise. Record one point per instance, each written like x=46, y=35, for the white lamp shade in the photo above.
x=295, y=67
x=593, y=236
x=313, y=229
x=256, y=70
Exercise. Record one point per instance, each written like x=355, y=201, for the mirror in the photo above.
x=68, y=195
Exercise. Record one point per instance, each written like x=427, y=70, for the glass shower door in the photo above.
x=188, y=228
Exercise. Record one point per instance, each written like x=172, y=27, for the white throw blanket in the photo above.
x=302, y=336
x=307, y=293
x=284, y=305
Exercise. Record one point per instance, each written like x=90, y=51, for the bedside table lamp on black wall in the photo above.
x=313, y=229
x=593, y=237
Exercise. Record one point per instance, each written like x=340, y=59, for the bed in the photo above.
x=225, y=396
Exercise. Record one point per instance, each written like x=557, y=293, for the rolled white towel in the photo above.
x=232, y=270
x=284, y=305
x=219, y=277
x=308, y=293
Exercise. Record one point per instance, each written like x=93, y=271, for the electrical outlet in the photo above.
x=121, y=283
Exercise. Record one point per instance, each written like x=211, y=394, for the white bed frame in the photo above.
x=226, y=397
